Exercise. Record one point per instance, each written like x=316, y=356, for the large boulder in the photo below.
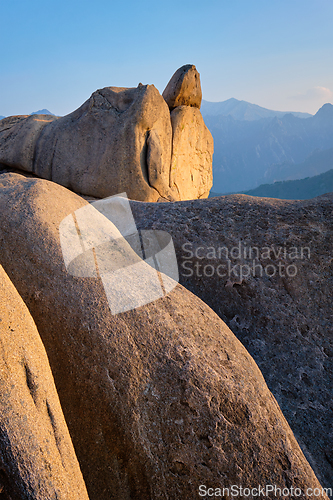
x=37, y=458
x=184, y=88
x=192, y=143
x=265, y=267
x=119, y=140
x=158, y=400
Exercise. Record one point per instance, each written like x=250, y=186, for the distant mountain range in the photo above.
x=248, y=153
x=316, y=163
x=242, y=110
x=42, y=112
x=302, y=189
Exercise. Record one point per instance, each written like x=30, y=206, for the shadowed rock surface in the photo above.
x=119, y=140
x=285, y=322
x=184, y=88
x=37, y=459
x=158, y=400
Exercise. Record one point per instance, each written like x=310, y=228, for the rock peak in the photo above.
x=184, y=88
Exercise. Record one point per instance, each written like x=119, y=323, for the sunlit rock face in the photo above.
x=37, y=458
x=191, y=153
x=120, y=139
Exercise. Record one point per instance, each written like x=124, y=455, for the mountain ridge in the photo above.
x=318, y=162
x=300, y=189
x=243, y=110
x=42, y=112
x=39, y=112
x=249, y=153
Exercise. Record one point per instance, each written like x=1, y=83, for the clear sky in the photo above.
x=275, y=53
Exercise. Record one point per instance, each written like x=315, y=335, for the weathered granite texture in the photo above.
x=192, y=151
x=286, y=320
x=37, y=458
x=184, y=88
x=158, y=400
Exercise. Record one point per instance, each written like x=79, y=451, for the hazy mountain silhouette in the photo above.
x=249, y=153
x=42, y=112
x=302, y=189
x=242, y=110
x=39, y=112
x=316, y=163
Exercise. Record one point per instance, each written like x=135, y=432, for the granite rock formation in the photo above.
x=284, y=316
x=37, y=458
x=18, y=136
x=119, y=140
x=158, y=400
x=192, y=150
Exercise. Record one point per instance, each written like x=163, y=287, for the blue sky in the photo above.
x=274, y=53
